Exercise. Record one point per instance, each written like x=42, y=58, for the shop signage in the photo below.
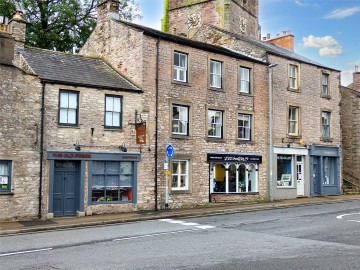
x=140, y=134
x=234, y=158
x=71, y=155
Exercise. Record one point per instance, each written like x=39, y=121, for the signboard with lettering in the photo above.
x=140, y=134
x=234, y=158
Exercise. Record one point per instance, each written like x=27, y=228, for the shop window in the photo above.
x=112, y=181
x=325, y=119
x=325, y=85
x=244, y=127
x=113, y=108
x=244, y=78
x=293, y=121
x=219, y=178
x=180, y=120
x=284, y=171
x=180, y=67
x=180, y=175
x=293, y=77
x=215, y=124
x=215, y=74
x=329, y=170
x=232, y=178
x=68, y=108
x=5, y=175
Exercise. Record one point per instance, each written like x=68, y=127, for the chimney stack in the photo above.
x=105, y=8
x=356, y=79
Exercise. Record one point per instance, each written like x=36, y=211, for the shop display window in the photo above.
x=112, y=181
x=284, y=171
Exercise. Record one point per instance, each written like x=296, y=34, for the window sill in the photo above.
x=245, y=94
x=218, y=140
x=110, y=202
x=294, y=137
x=295, y=90
x=181, y=83
x=286, y=187
x=326, y=97
x=216, y=89
x=326, y=139
x=113, y=129
x=181, y=137
x=68, y=126
x=244, y=142
x=6, y=193
x=177, y=191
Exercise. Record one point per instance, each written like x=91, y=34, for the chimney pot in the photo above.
x=356, y=68
x=264, y=38
x=268, y=36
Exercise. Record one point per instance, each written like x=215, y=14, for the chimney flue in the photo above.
x=356, y=68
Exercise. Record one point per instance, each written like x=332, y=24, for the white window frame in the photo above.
x=215, y=74
x=326, y=122
x=67, y=107
x=183, y=119
x=179, y=69
x=294, y=118
x=246, y=118
x=325, y=84
x=216, y=125
x=293, y=76
x=112, y=113
x=179, y=173
x=244, y=86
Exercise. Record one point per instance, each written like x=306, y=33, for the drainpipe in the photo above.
x=41, y=144
x=156, y=123
x=271, y=132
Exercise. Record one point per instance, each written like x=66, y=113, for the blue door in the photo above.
x=66, y=188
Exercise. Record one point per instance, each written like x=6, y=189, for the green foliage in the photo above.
x=61, y=24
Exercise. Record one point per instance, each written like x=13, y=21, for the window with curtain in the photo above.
x=245, y=80
x=215, y=74
x=5, y=175
x=180, y=67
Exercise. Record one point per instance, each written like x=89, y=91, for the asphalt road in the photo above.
x=311, y=237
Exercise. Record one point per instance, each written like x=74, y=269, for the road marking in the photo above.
x=24, y=252
x=154, y=234
x=196, y=225
x=345, y=215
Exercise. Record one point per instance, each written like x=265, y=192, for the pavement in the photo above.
x=64, y=223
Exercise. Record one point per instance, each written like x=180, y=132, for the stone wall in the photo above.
x=308, y=99
x=199, y=97
x=20, y=99
x=350, y=125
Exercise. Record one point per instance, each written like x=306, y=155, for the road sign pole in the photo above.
x=167, y=187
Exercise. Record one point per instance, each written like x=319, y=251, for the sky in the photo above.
x=325, y=30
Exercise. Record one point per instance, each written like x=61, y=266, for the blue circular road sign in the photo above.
x=170, y=151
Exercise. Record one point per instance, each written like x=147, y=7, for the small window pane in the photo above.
x=176, y=59
x=64, y=103
x=112, y=167
x=126, y=167
x=71, y=116
x=117, y=105
x=72, y=101
x=63, y=116
x=109, y=104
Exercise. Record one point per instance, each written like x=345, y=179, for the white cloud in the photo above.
x=305, y=4
x=346, y=77
x=342, y=13
x=327, y=45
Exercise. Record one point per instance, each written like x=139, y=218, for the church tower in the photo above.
x=236, y=16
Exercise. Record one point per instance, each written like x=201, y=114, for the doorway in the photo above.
x=300, y=185
x=66, y=188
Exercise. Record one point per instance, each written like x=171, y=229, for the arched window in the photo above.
x=252, y=178
x=232, y=178
x=242, y=178
x=219, y=178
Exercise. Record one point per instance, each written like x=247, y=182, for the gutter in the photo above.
x=156, y=123
x=41, y=145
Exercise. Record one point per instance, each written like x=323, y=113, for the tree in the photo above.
x=61, y=24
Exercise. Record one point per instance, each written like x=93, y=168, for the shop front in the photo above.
x=291, y=173
x=325, y=170
x=234, y=173
x=80, y=180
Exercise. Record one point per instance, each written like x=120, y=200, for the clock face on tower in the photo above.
x=194, y=20
x=243, y=25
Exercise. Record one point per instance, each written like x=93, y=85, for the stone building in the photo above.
x=350, y=109
x=306, y=135
x=66, y=121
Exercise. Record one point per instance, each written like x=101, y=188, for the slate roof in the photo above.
x=189, y=42
x=274, y=49
x=64, y=68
